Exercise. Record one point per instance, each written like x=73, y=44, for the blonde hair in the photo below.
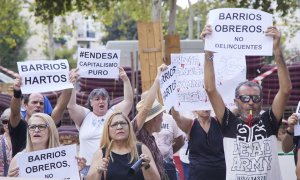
x=53, y=140
x=131, y=140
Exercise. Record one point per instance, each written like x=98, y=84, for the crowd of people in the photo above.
x=229, y=145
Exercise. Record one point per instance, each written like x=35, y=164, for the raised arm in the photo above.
x=76, y=111
x=285, y=85
x=149, y=99
x=125, y=105
x=182, y=122
x=210, y=82
x=15, y=103
x=63, y=99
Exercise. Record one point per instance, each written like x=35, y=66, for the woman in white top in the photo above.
x=90, y=120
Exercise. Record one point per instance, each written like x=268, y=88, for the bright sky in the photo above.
x=185, y=3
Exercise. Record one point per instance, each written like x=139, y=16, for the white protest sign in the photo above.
x=44, y=76
x=98, y=63
x=56, y=163
x=237, y=30
x=297, y=126
x=168, y=86
x=230, y=70
x=189, y=82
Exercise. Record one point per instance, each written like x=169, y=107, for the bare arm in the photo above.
x=287, y=142
x=15, y=104
x=61, y=105
x=152, y=172
x=285, y=85
x=13, y=170
x=210, y=82
x=94, y=171
x=149, y=99
x=178, y=143
x=76, y=111
x=125, y=105
x=182, y=122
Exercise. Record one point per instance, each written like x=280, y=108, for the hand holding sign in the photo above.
x=17, y=83
x=272, y=31
x=292, y=120
x=122, y=74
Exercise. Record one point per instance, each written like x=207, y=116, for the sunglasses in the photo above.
x=246, y=98
x=5, y=121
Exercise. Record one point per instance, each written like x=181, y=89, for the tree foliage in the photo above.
x=13, y=34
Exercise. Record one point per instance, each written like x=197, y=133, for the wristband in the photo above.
x=289, y=133
x=17, y=94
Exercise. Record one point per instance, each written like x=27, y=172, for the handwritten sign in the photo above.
x=230, y=70
x=44, y=76
x=56, y=163
x=98, y=63
x=237, y=30
x=168, y=86
x=297, y=126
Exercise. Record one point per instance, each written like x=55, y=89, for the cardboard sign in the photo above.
x=237, y=30
x=56, y=163
x=168, y=87
x=98, y=63
x=190, y=94
x=44, y=76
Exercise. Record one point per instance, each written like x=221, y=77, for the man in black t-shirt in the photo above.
x=250, y=143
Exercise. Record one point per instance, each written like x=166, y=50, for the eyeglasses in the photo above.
x=121, y=123
x=40, y=127
x=246, y=98
x=5, y=121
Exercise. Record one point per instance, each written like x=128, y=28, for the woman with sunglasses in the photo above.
x=5, y=144
x=206, y=153
x=118, y=151
x=42, y=134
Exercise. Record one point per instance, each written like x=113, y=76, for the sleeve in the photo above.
x=229, y=123
x=18, y=137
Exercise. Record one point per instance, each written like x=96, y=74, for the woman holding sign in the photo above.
x=120, y=155
x=90, y=120
x=42, y=134
x=206, y=153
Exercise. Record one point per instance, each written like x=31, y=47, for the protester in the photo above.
x=90, y=120
x=206, y=153
x=119, y=150
x=35, y=104
x=5, y=144
x=169, y=140
x=291, y=142
x=250, y=143
x=42, y=134
x=148, y=120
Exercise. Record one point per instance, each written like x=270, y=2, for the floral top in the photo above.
x=8, y=154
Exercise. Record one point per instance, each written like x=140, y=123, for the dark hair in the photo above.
x=96, y=93
x=249, y=84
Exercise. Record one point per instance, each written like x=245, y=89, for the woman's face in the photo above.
x=5, y=125
x=119, y=128
x=38, y=131
x=99, y=105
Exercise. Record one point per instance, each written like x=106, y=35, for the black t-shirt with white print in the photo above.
x=251, y=152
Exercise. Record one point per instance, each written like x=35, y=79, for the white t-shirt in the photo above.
x=164, y=139
x=90, y=133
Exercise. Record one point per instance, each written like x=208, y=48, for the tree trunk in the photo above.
x=191, y=18
x=156, y=9
x=50, y=40
x=172, y=17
